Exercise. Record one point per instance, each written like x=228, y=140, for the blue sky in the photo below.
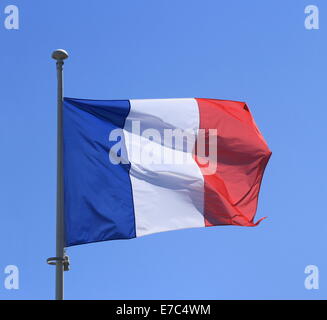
x=253, y=51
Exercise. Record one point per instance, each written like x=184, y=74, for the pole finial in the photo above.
x=59, y=55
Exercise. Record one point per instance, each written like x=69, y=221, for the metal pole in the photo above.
x=60, y=56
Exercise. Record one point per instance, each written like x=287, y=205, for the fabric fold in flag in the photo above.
x=136, y=167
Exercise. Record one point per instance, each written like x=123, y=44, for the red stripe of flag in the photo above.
x=231, y=192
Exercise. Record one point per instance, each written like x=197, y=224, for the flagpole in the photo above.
x=61, y=260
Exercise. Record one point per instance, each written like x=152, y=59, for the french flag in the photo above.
x=137, y=167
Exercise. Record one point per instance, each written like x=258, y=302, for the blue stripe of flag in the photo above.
x=98, y=200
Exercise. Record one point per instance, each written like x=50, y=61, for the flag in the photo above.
x=137, y=167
